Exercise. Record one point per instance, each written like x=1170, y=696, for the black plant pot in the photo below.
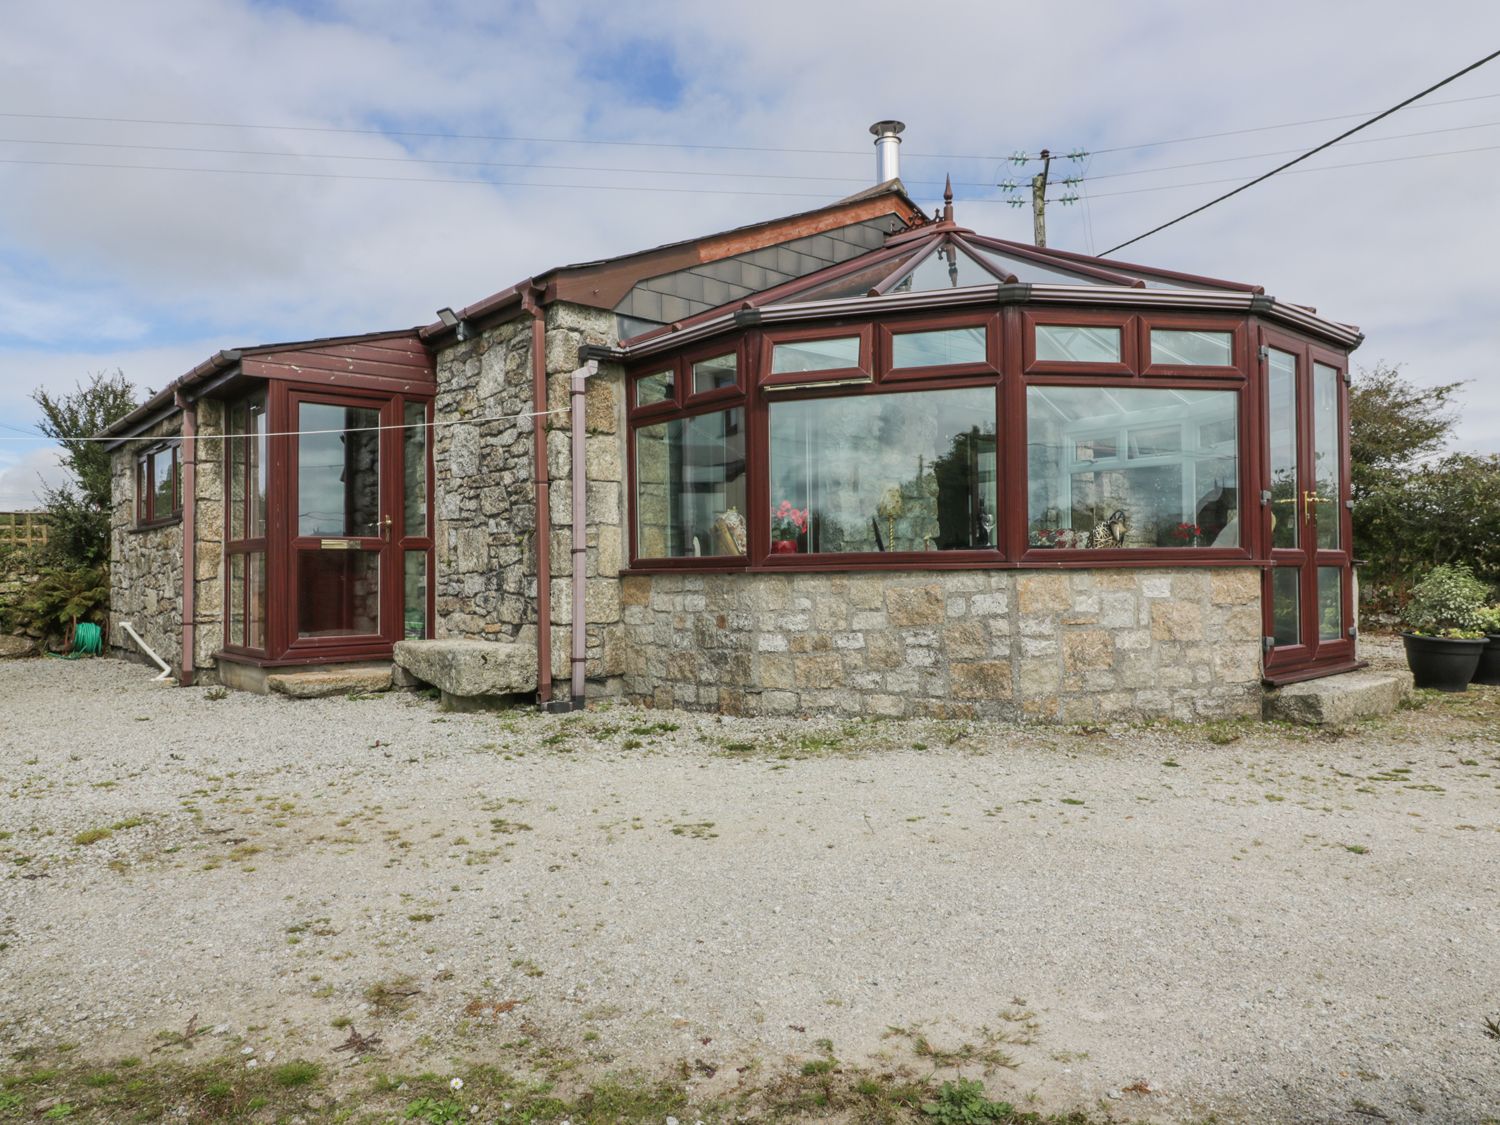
x=1488, y=671
x=1444, y=663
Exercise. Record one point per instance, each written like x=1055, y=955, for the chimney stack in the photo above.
x=887, y=150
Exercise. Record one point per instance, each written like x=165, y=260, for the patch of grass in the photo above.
x=502, y=827
x=296, y=1073
x=964, y=1103
x=214, y=694
x=696, y=830
x=420, y=917
x=1357, y=849
x=1071, y=801
x=92, y=836
x=647, y=729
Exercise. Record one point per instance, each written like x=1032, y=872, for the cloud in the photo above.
x=132, y=266
x=23, y=477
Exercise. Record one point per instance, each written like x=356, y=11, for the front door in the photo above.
x=343, y=567
x=1308, y=590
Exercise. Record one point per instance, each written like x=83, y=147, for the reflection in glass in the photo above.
x=656, y=387
x=338, y=593
x=1282, y=425
x=889, y=472
x=715, y=374
x=938, y=349
x=1286, y=612
x=414, y=468
x=338, y=474
x=255, y=599
x=1065, y=343
x=1330, y=603
x=945, y=268
x=690, y=486
x=1326, y=469
x=414, y=593
x=815, y=355
x=163, y=483
x=1191, y=348
x=1176, y=486
x=237, y=599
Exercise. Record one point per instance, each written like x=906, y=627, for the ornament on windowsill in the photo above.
x=1111, y=532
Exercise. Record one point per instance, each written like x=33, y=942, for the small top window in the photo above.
x=940, y=348
x=791, y=356
x=656, y=387
x=1070, y=343
x=715, y=374
x=1191, y=348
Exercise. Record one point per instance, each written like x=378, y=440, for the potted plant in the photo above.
x=787, y=524
x=1488, y=671
x=1444, y=639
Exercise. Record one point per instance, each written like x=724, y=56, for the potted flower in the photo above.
x=1187, y=534
x=787, y=525
x=1488, y=671
x=1444, y=639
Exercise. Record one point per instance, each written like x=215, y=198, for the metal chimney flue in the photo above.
x=887, y=150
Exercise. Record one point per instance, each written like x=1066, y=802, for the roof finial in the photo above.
x=948, y=200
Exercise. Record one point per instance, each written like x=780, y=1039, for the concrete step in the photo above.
x=1336, y=701
x=350, y=679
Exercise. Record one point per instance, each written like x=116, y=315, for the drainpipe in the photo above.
x=580, y=529
x=532, y=305
x=188, y=482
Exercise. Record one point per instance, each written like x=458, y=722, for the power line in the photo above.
x=1309, y=153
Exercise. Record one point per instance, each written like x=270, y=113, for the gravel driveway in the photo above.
x=1172, y=921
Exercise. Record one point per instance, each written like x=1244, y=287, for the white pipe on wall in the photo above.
x=166, y=669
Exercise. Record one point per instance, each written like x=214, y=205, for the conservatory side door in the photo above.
x=343, y=563
x=1308, y=593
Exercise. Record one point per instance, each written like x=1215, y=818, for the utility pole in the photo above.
x=1039, y=200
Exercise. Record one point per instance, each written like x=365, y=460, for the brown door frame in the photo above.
x=1312, y=655
x=386, y=546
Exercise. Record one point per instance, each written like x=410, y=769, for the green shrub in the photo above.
x=963, y=1103
x=1489, y=618
x=1448, y=602
x=60, y=596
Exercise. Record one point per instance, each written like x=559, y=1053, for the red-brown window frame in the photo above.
x=247, y=545
x=1129, y=363
x=1239, y=345
x=887, y=330
x=146, y=515
x=863, y=370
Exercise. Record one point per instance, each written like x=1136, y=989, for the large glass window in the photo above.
x=889, y=472
x=414, y=469
x=690, y=486
x=1132, y=467
x=338, y=470
x=245, y=616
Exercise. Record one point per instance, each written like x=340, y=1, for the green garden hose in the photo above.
x=88, y=640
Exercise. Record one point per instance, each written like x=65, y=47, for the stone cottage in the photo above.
x=857, y=460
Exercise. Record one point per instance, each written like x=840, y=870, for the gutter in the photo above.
x=188, y=464
x=532, y=305
x=579, y=630
x=166, y=401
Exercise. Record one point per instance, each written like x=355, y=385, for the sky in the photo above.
x=182, y=176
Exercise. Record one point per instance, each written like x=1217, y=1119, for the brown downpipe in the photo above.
x=188, y=464
x=543, y=495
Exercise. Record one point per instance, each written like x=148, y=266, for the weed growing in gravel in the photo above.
x=698, y=830
x=214, y=694
x=92, y=836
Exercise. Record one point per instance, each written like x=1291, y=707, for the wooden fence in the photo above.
x=22, y=529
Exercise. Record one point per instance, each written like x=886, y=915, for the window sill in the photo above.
x=156, y=525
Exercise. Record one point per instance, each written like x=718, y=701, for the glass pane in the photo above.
x=1029, y=272
x=414, y=468
x=338, y=473
x=815, y=355
x=257, y=463
x=142, y=490
x=1282, y=424
x=856, y=284
x=1326, y=462
x=1176, y=484
x=237, y=599
x=1286, y=611
x=1063, y=343
x=715, y=374
x=690, y=486
x=889, y=472
x=414, y=586
x=656, y=387
x=937, y=349
x=255, y=600
x=945, y=268
x=338, y=593
x=1191, y=348
x=1330, y=603
x=162, y=484
x=238, y=454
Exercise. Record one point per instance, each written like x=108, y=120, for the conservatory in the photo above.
x=1102, y=481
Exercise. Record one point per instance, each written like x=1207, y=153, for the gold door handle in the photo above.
x=1309, y=499
x=385, y=527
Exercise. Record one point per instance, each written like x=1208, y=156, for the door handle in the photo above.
x=1310, y=498
x=385, y=527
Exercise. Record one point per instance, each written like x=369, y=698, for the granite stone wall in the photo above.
x=484, y=492
x=145, y=572
x=1068, y=646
